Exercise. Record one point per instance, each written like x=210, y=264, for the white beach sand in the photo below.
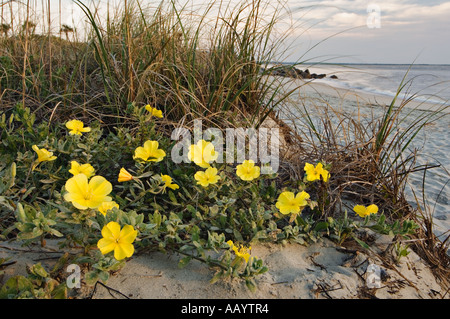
x=322, y=270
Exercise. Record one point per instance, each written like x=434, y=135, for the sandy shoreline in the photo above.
x=326, y=89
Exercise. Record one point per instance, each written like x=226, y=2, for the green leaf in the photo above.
x=320, y=226
x=361, y=243
x=213, y=210
x=30, y=235
x=14, y=286
x=237, y=235
x=184, y=261
x=250, y=285
x=191, y=209
x=38, y=270
x=20, y=213
x=172, y=197
x=103, y=276
x=55, y=232
x=91, y=277
x=157, y=218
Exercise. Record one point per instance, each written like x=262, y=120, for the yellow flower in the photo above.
x=314, y=173
x=207, y=177
x=117, y=240
x=363, y=211
x=106, y=206
x=240, y=251
x=202, y=153
x=289, y=203
x=76, y=127
x=124, y=175
x=154, y=111
x=247, y=171
x=86, y=169
x=43, y=155
x=87, y=194
x=168, y=182
x=150, y=152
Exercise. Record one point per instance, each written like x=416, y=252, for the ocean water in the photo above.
x=430, y=83
x=427, y=82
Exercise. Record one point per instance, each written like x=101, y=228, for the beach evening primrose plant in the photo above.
x=76, y=127
x=202, y=153
x=77, y=168
x=124, y=175
x=118, y=240
x=85, y=194
x=363, y=211
x=168, y=183
x=150, y=152
x=248, y=171
x=316, y=172
x=209, y=176
x=288, y=203
x=154, y=111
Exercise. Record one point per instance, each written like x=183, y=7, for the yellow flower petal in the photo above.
x=289, y=203
x=363, y=211
x=100, y=186
x=247, y=171
x=77, y=184
x=127, y=234
x=85, y=169
x=168, y=182
x=315, y=173
x=154, y=111
x=300, y=198
x=209, y=176
x=43, y=154
x=107, y=206
x=118, y=240
x=149, y=152
x=123, y=251
x=202, y=153
x=106, y=245
x=124, y=175
x=372, y=209
x=76, y=127
x=111, y=231
x=84, y=194
x=360, y=210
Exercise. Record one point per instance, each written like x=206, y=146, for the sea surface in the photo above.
x=427, y=82
x=430, y=83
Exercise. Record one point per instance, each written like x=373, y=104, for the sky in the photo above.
x=407, y=30
x=343, y=31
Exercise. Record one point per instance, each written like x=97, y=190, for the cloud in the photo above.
x=409, y=28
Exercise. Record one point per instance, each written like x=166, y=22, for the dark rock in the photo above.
x=333, y=77
x=293, y=72
x=306, y=74
x=318, y=76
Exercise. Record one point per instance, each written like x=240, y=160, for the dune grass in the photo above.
x=183, y=62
